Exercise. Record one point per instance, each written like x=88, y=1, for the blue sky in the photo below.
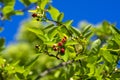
x=93, y=11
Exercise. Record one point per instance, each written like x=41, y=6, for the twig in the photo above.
x=52, y=69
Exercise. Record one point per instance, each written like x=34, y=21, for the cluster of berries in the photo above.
x=60, y=45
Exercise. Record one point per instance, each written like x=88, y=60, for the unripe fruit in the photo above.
x=60, y=43
x=62, y=50
x=34, y=15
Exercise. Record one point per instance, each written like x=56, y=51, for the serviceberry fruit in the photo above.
x=63, y=40
x=34, y=15
x=62, y=50
x=60, y=43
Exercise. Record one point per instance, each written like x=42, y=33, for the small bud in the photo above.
x=37, y=19
x=37, y=7
x=37, y=46
x=55, y=48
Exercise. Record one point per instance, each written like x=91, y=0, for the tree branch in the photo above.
x=52, y=69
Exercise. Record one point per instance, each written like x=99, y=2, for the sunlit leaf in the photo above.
x=54, y=12
x=25, y=2
x=71, y=43
x=49, y=26
x=60, y=17
x=35, y=30
x=52, y=32
x=107, y=56
x=95, y=46
x=43, y=3
x=68, y=23
x=86, y=28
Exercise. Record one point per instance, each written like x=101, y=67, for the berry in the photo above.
x=34, y=15
x=63, y=40
x=62, y=50
x=60, y=43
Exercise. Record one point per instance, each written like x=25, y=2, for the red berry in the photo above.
x=34, y=15
x=62, y=50
x=60, y=43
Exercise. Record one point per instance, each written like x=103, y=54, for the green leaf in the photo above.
x=68, y=23
x=53, y=12
x=76, y=32
x=95, y=46
x=71, y=43
x=8, y=9
x=41, y=37
x=32, y=61
x=52, y=32
x=20, y=75
x=116, y=75
x=17, y=12
x=49, y=43
x=32, y=11
x=81, y=57
x=60, y=17
x=48, y=27
x=88, y=34
x=33, y=1
x=43, y=3
x=86, y=29
x=107, y=56
x=25, y=2
x=35, y=30
x=92, y=69
x=2, y=41
x=114, y=29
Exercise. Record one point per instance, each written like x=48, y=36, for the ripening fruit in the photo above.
x=65, y=37
x=63, y=40
x=34, y=15
x=60, y=43
x=55, y=48
x=62, y=50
